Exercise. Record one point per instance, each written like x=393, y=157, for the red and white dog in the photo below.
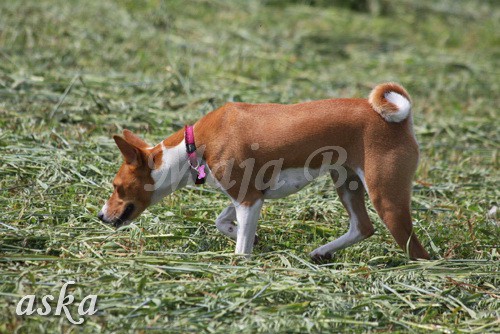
x=254, y=152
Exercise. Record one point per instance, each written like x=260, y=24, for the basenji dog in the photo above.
x=254, y=152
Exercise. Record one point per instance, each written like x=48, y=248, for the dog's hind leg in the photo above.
x=352, y=196
x=389, y=184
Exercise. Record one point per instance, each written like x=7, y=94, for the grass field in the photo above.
x=73, y=73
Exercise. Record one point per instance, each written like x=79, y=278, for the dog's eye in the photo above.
x=120, y=190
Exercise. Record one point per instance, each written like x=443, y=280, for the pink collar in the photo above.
x=193, y=158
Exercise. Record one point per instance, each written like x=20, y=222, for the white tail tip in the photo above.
x=391, y=101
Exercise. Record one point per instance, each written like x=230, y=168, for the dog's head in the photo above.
x=130, y=197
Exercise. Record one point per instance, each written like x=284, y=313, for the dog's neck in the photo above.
x=173, y=170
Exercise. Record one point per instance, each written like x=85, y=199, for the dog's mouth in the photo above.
x=124, y=217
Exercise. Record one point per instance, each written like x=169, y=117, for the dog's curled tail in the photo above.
x=391, y=101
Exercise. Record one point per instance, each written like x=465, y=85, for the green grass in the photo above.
x=73, y=73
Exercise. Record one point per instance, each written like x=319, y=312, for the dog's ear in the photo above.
x=134, y=139
x=131, y=154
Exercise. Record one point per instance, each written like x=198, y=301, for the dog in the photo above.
x=254, y=152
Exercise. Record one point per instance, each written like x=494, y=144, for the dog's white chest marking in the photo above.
x=291, y=180
x=172, y=173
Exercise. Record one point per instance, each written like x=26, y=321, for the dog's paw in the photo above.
x=319, y=258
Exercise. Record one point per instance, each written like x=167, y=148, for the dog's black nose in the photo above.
x=100, y=215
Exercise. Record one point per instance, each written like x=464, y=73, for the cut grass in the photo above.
x=73, y=73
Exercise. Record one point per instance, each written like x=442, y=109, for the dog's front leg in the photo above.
x=247, y=214
x=225, y=222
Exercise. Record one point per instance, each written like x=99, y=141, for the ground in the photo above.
x=73, y=73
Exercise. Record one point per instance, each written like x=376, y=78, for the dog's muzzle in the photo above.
x=129, y=209
x=100, y=215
